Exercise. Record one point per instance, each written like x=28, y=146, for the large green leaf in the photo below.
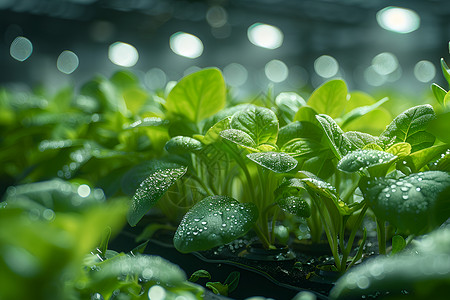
x=361, y=111
x=361, y=159
x=302, y=147
x=277, y=162
x=361, y=139
x=238, y=137
x=424, y=272
x=182, y=145
x=151, y=190
x=298, y=129
x=410, y=127
x=440, y=127
x=330, y=98
x=214, y=221
x=260, y=123
x=416, y=203
x=439, y=93
x=213, y=133
x=198, y=95
x=289, y=196
x=339, y=143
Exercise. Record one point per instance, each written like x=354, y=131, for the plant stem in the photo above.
x=381, y=235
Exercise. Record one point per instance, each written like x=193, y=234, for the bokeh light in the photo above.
x=67, y=62
x=397, y=19
x=123, y=54
x=21, y=48
x=265, y=36
x=84, y=190
x=374, y=78
x=276, y=71
x=186, y=44
x=424, y=71
x=326, y=66
x=385, y=63
x=155, y=79
x=235, y=74
x=216, y=16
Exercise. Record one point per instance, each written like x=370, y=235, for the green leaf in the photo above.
x=443, y=163
x=298, y=129
x=198, y=95
x=330, y=98
x=302, y=147
x=422, y=157
x=445, y=70
x=232, y=281
x=360, y=139
x=295, y=205
x=213, y=133
x=398, y=244
x=277, y=162
x=260, y=123
x=361, y=159
x=238, y=137
x=214, y=221
x=414, y=204
x=182, y=145
x=400, y=149
x=439, y=127
x=372, y=146
x=151, y=190
x=306, y=114
x=218, y=288
x=360, y=111
x=439, y=93
x=410, y=127
x=199, y=274
x=339, y=143
x=289, y=103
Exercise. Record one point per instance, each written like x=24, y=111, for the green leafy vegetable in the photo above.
x=361, y=159
x=277, y=162
x=330, y=98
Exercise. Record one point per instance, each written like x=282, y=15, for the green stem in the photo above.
x=265, y=242
x=381, y=235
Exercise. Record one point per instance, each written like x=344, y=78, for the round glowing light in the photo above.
x=123, y=54
x=276, y=71
x=373, y=78
x=265, y=36
x=84, y=190
x=156, y=292
x=385, y=63
x=424, y=71
x=67, y=62
x=21, y=48
x=397, y=19
x=326, y=66
x=235, y=74
x=216, y=16
x=186, y=44
x=155, y=79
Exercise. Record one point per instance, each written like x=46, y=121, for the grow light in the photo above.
x=84, y=190
x=21, y=48
x=397, y=19
x=186, y=44
x=265, y=36
x=235, y=74
x=67, y=62
x=276, y=71
x=326, y=66
x=424, y=71
x=123, y=54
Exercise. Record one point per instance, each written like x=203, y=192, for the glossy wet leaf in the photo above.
x=151, y=190
x=213, y=133
x=289, y=103
x=295, y=205
x=238, y=137
x=360, y=139
x=361, y=159
x=260, y=123
x=339, y=143
x=439, y=93
x=198, y=95
x=135, y=176
x=410, y=126
x=400, y=149
x=182, y=145
x=296, y=129
x=214, y=221
x=302, y=147
x=415, y=204
x=330, y=98
x=443, y=162
x=277, y=162
x=424, y=272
